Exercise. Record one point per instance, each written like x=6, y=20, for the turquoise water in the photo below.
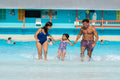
x=19, y=62
x=55, y=31
x=27, y=51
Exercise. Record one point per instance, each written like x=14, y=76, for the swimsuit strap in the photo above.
x=43, y=33
x=63, y=43
x=41, y=30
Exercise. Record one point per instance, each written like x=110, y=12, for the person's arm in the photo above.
x=35, y=36
x=96, y=37
x=70, y=43
x=79, y=35
x=55, y=39
x=54, y=43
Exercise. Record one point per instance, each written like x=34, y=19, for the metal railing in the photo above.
x=101, y=23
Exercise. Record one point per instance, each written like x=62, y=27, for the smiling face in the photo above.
x=85, y=24
x=64, y=37
x=49, y=27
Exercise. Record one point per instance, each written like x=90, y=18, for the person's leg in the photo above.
x=45, y=48
x=90, y=49
x=82, y=53
x=83, y=47
x=89, y=55
x=59, y=53
x=39, y=48
x=63, y=55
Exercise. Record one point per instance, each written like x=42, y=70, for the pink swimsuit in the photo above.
x=62, y=46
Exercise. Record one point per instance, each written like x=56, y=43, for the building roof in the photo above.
x=62, y=4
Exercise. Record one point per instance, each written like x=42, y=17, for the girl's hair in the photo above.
x=50, y=39
x=9, y=38
x=67, y=36
x=46, y=26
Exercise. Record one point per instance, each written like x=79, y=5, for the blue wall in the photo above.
x=109, y=15
x=11, y=21
x=65, y=18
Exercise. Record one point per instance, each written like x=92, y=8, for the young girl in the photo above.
x=62, y=47
x=50, y=42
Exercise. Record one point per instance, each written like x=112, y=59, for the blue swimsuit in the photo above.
x=42, y=37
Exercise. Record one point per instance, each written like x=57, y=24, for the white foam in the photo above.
x=26, y=55
x=110, y=57
x=70, y=57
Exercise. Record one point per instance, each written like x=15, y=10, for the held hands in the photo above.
x=75, y=42
x=72, y=44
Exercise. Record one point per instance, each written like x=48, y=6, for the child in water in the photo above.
x=50, y=42
x=62, y=47
x=102, y=41
x=9, y=40
x=14, y=43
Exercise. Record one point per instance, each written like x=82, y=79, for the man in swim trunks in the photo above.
x=87, y=41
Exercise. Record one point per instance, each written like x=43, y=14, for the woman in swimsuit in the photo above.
x=62, y=47
x=41, y=40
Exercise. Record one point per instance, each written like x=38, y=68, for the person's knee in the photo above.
x=40, y=51
x=82, y=52
x=63, y=56
x=45, y=52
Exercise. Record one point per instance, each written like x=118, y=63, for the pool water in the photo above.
x=109, y=50
x=55, y=31
x=20, y=62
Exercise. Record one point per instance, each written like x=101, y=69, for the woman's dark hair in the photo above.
x=46, y=25
x=67, y=36
x=50, y=39
x=9, y=38
x=85, y=20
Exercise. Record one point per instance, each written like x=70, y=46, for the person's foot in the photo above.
x=89, y=59
x=62, y=59
x=40, y=57
x=46, y=59
x=82, y=60
x=58, y=57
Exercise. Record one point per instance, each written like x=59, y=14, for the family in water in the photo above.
x=88, y=42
